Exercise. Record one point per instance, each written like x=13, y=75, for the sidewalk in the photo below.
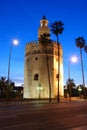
x=75, y=99
x=62, y=100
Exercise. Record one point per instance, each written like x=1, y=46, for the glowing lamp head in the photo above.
x=15, y=42
x=74, y=59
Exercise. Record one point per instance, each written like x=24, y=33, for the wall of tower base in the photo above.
x=36, y=64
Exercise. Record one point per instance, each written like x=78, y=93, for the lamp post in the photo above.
x=79, y=89
x=39, y=88
x=15, y=42
x=73, y=59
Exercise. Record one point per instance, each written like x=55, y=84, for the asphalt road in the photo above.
x=44, y=116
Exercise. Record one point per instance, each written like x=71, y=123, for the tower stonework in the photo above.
x=43, y=27
x=36, y=82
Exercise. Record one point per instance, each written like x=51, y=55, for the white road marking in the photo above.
x=19, y=125
x=81, y=115
x=9, y=116
x=79, y=128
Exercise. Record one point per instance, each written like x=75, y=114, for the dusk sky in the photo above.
x=20, y=19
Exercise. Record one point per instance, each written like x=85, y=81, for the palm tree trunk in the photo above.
x=9, y=64
x=48, y=77
x=82, y=73
x=58, y=97
x=70, y=93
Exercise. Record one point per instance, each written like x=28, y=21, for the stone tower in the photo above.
x=36, y=82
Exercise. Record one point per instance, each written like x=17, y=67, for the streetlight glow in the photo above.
x=15, y=42
x=74, y=59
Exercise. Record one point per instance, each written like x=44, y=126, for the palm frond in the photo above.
x=57, y=27
x=80, y=42
x=85, y=48
x=44, y=39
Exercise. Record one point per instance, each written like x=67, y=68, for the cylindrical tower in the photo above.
x=38, y=60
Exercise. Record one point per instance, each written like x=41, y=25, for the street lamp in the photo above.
x=14, y=42
x=39, y=87
x=79, y=89
x=73, y=59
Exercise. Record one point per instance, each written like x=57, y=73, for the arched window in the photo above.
x=36, y=77
x=57, y=75
x=36, y=58
x=27, y=60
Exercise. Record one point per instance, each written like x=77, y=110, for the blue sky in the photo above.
x=20, y=19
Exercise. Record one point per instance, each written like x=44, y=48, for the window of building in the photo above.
x=27, y=60
x=57, y=75
x=36, y=58
x=36, y=77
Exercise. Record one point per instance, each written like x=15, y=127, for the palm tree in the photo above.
x=57, y=28
x=45, y=41
x=5, y=89
x=85, y=48
x=3, y=84
x=80, y=43
x=70, y=84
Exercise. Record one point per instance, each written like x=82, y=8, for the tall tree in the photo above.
x=70, y=84
x=57, y=28
x=5, y=89
x=3, y=84
x=80, y=43
x=45, y=41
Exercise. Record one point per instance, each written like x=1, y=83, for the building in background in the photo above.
x=36, y=82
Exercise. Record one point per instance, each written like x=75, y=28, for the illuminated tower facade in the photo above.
x=36, y=82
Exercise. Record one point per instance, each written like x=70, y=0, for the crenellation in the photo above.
x=31, y=43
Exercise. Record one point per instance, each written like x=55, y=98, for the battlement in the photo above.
x=36, y=42
x=32, y=43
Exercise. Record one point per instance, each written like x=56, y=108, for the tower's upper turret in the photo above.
x=44, y=22
x=43, y=27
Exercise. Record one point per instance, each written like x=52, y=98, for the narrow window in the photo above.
x=27, y=60
x=36, y=77
x=36, y=58
x=57, y=76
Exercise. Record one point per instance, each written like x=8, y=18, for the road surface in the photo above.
x=44, y=116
